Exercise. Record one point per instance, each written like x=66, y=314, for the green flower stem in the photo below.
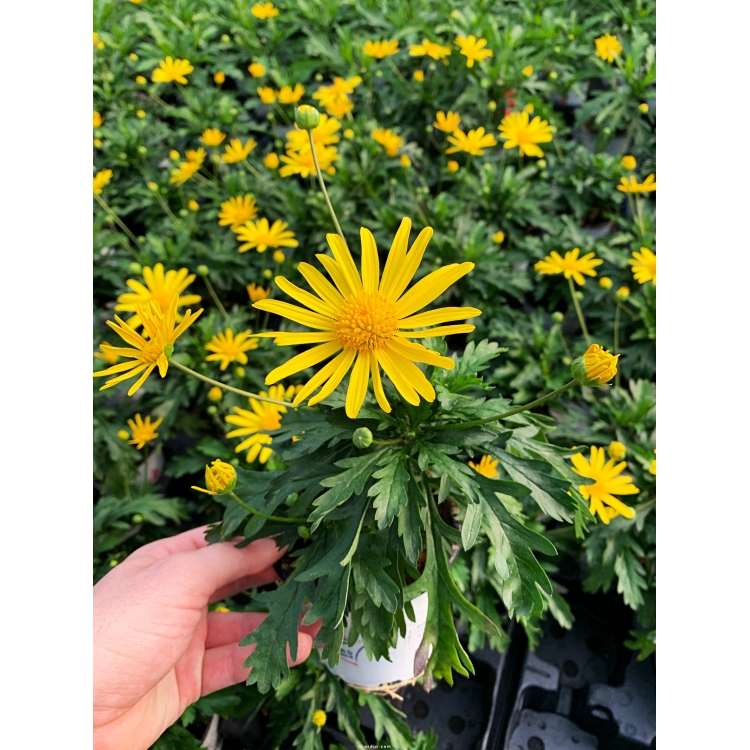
x=215, y=298
x=323, y=188
x=265, y=181
x=168, y=211
x=640, y=215
x=564, y=343
x=386, y=442
x=283, y=114
x=396, y=71
x=264, y=515
x=504, y=415
x=229, y=387
x=579, y=312
x=118, y=221
x=617, y=338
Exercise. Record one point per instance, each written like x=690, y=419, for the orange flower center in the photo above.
x=366, y=321
x=270, y=421
x=151, y=352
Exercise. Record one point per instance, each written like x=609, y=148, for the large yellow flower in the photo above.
x=261, y=236
x=101, y=178
x=323, y=135
x=366, y=320
x=608, y=47
x=474, y=142
x=448, y=123
x=381, y=49
x=571, y=265
x=172, y=70
x=159, y=287
x=289, y=95
x=388, y=140
x=487, y=467
x=227, y=347
x=143, y=431
x=516, y=130
x=259, y=423
x=302, y=163
x=644, y=265
x=435, y=51
x=150, y=352
x=473, y=49
x=607, y=484
x=212, y=137
x=631, y=185
x=264, y=10
x=234, y=151
x=236, y=211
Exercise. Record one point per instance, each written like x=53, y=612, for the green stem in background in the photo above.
x=118, y=221
x=441, y=169
x=396, y=70
x=414, y=196
x=258, y=176
x=215, y=297
x=617, y=338
x=579, y=312
x=283, y=114
x=467, y=171
x=564, y=343
x=168, y=211
x=323, y=188
x=226, y=387
x=386, y=442
x=145, y=468
x=264, y=515
x=510, y=413
x=640, y=215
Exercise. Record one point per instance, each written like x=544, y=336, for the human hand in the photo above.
x=157, y=649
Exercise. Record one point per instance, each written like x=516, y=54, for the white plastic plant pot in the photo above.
x=155, y=466
x=355, y=668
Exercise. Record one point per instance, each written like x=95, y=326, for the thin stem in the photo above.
x=229, y=387
x=396, y=70
x=640, y=215
x=323, y=188
x=386, y=442
x=215, y=297
x=564, y=343
x=467, y=169
x=504, y=415
x=617, y=338
x=579, y=312
x=117, y=220
x=283, y=114
x=168, y=211
x=264, y=515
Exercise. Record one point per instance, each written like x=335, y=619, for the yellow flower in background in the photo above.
x=212, y=137
x=140, y=80
x=271, y=161
x=289, y=95
x=528, y=70
x=571, y=265
x=597, y=365
x=97, y=42
x=516, y=130
x=193, y=204
x=98, y=119
x=143, y=430
x=340, y=106
x=234, y=151
x=236, y=211
x=97, y=143
x=264, y=10
x=498, y=237
x=319, y=718
x=643, y=107
x=607, y=484
x=448, y=123
x=605, y=282
x=622, y=294
x=107, y=356
x=267, y=94
x=529, y=108
x=335, y=98
x=172, y=70
x=644, y=265
x=474, y=142
x=256, y=292
x=435, y=51
x=174, y=154
x=215, y=394
x=219, y=77
x=260, y=236
x=133, y=56
x=405, y=161
x=380, y=49
x=366, y=320
x=418, y=76
x=301, y=162
x=256, y=70
x=220, y=478
x=160, y=288
x=278, y=256
x=452, y=166
x=101, y=178
x=631, y=185
x=324, y=134
x=150, y=352
x=608, y=47
x=388, y=140
x=184, y=171
x=141, y=113
x=226, y=347
x=348, y=134
x=473, y=49
x=487, y=467
x=264, y=419
x=628, y=162
x=652, y=468
x=617, y=450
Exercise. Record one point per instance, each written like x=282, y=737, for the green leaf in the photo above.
x=388, y=720
x=643, y=642
x=369, y=572
x=630, y=573
x=472, y=524
x=389, y=492
x=410, y=523
x=438, y=456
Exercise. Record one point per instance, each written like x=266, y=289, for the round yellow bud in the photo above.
x=271, y=160
x=219, y=77
x=628, y=161
x=498, y=237
x=225, y=38
x=239, y=371
x=114, y=563
x=452, y=166
x=133, y=56
x=348, y=134
x=307, y=117
x=140, y=80
x=529, y=108
x=405, y=160
x=528, y=70
x=98, y=142
x=141, y=113
x=553, y=75
x=419, y=75
x=123, y=435
x=267, y=273
x=215, y=394
x=643, y=107
x=605, y=282
x=174, y=154
x=622, y=294
x=256, y=70
x=153, y=187
x=617, y=450
x=492, y=106
x=319, y=718
x=596, y=367
x=221, y=478
x=193, y=204
x=202, y=270
x=278, y=256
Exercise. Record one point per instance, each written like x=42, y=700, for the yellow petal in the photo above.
x=336, y=378
x=396, y=256
x=357, y=390
x=377, y=384
x=410, y=264
x=307, y=299
x=335, y=272
x=318, y=379
x=370, y=262
x=141, y=380
x=345, y=261
x=402, y=384
x=321, y=286
x=419, y=353
x=441, y=315
x=412, y=374
x=295, y=339
x=302, y=361
x=438, y=331
x=430, y=287
x=297, y=314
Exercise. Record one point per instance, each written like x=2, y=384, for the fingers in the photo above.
x=311, y=630
x=226, y=628
x=222, y=665
x=185, y=542
x=268, y=575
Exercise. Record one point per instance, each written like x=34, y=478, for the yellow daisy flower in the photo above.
x=212, y=137
x=607, y=484
x=215, y=394
x=388, y=140
x=487, y=467
x=256, y=70
x=219, y=77
x=473, y=49
x=435, y=51
x=448, y=123
x=236, y=211
x=644, y=265
x=227, y=347
x=617, y=450
x=267, y=94
x=108, y=357
x=143, y=431
x=220, y=478
x=631, y=185
x=101, y=179
x=418, y=75
x=150, y=352
x=366, y=320
x=172, y=70
x=499, y=237
x=452, y=165
x=98, y=119
x=193, y=204
x=301, y=163
x=264, y=10
x=259, y=423
x=196, y=156
x=319, y=718
x=605, y=282
x=260, y=236
x=380, y=49
x=405, y=161
x=271, y=161
x=571, y=265
x=141, y=80
x=628, y=162
x=608, y=47
x=97, y=42
x=597, y=365
x=474, y=142
x=289, y=95
x=516, y=130
x=234, y=151
x=340, y=106
x=256, y=292
x=528, y=70
x=184, y=171
x=323, y=135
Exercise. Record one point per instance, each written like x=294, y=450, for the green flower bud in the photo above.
x=558, y=317
x=307, y=117
x=168, y=350
x=142, y=150
x=135, y=267
x=211, y=410
x=542, y=164
x=183, y=212
x=596, y=367
x=567, y=361
x=362, y=437
x=202, y=270
x=137, y=518
x=303, y=531
x=234, y=111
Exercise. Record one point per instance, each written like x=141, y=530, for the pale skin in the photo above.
x=157, y=649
